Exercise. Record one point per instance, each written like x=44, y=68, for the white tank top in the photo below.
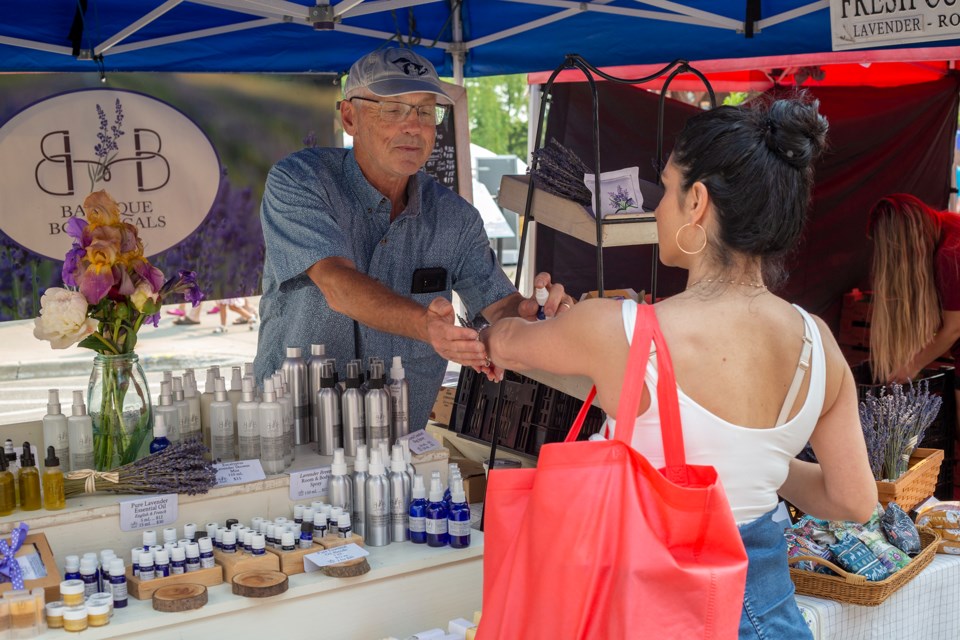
x=752, y=463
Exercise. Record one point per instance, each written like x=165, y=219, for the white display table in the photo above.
x=409, y=588
x=926, y=608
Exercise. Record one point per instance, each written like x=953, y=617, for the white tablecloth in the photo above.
x=926, y=608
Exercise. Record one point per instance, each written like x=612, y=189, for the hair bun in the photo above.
x=795, y=131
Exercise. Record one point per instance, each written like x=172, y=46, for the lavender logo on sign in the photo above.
x=157, y=164
x=54, y=174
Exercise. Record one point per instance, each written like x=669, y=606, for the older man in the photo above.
x=363, y=249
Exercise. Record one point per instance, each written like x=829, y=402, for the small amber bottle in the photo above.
x=8, y=484
x=29, y=481
x=53, y=496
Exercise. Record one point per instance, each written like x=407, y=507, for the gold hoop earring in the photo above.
x=702, y=246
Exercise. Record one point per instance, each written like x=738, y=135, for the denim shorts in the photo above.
x=769, y=609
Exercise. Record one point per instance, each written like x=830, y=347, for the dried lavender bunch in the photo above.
x=180, y=468
x=894, y=423
x=559, y=171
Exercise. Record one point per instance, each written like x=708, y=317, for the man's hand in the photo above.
x=558, y=302
x=458, y=344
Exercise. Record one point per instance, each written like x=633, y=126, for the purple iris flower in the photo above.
x=154, y=320
x=184, y=282
x=150, y=273
x=75, y=227
x=70, y=264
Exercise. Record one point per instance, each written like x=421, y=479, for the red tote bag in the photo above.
x=597, y=543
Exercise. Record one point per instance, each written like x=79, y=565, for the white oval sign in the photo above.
x=155, y=162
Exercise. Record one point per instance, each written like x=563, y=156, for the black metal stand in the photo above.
x=575, y=61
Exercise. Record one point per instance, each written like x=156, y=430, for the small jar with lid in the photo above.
x=71, y=592
x=101, y=597
x=75, y=618
x=55, y=614
x=98, y=613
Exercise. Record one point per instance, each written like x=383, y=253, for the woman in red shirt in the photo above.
x=916, y=283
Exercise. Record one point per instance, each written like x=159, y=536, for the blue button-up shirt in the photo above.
x=317, y=204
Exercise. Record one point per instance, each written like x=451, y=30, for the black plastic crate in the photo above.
x=528, y=415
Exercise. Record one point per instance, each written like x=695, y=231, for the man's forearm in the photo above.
x=368, y=301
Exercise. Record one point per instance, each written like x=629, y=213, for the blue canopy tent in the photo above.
x=461, y=37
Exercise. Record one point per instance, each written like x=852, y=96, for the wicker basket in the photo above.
x=855, y=589
x=917, y=484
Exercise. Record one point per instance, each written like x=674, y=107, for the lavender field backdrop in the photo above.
x=252, y=120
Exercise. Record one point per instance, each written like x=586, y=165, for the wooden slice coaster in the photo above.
x=180, y=597
x=259, y=583
x=350, y=569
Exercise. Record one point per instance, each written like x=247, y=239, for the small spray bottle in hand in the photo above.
x=542, y=296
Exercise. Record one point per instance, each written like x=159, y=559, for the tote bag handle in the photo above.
x=646, y=330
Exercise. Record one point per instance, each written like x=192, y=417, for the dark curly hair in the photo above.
x=756, y=162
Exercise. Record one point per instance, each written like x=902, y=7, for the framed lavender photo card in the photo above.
x=619, y=192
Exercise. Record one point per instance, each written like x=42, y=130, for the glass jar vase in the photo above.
x=118, y=401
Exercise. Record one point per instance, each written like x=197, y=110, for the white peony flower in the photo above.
x=63, y=318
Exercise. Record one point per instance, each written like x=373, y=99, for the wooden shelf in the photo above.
x=572, y=219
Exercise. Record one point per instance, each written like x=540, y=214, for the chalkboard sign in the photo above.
x=450, y=161
x=442, y=163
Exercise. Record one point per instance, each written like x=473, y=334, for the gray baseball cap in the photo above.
x=394, y=72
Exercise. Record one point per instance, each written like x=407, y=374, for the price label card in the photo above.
x=421, y=442
x=312, y=562
x=239, y=472
x=145, y=513
x=309, y=483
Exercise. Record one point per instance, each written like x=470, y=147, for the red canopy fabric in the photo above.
x=887, y=68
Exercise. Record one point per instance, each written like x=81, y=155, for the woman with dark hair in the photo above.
x=757, y=377
x=916, y=286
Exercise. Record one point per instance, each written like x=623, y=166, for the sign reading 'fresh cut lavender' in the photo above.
x=155, y=162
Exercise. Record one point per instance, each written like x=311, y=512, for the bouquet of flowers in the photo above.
x=893, y=425
x=112, y=291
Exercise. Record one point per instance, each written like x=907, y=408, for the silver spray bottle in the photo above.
x=318, y=355
x=360, y=475
x=376, y=409
x=328, y=406
x=248, y=424
x=400, y=487
x=399, y=390
x=377, y=498
x=340, y=485
x=295, y=371
x=352, y=412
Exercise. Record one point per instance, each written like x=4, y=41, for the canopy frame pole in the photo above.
x=135, y=26
x=790, y=15
x=193, y=35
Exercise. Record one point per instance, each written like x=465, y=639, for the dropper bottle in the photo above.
x=53, y=496
x=8, y=494
x=29, y=480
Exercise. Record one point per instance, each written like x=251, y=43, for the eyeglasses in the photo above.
x=393, y=112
